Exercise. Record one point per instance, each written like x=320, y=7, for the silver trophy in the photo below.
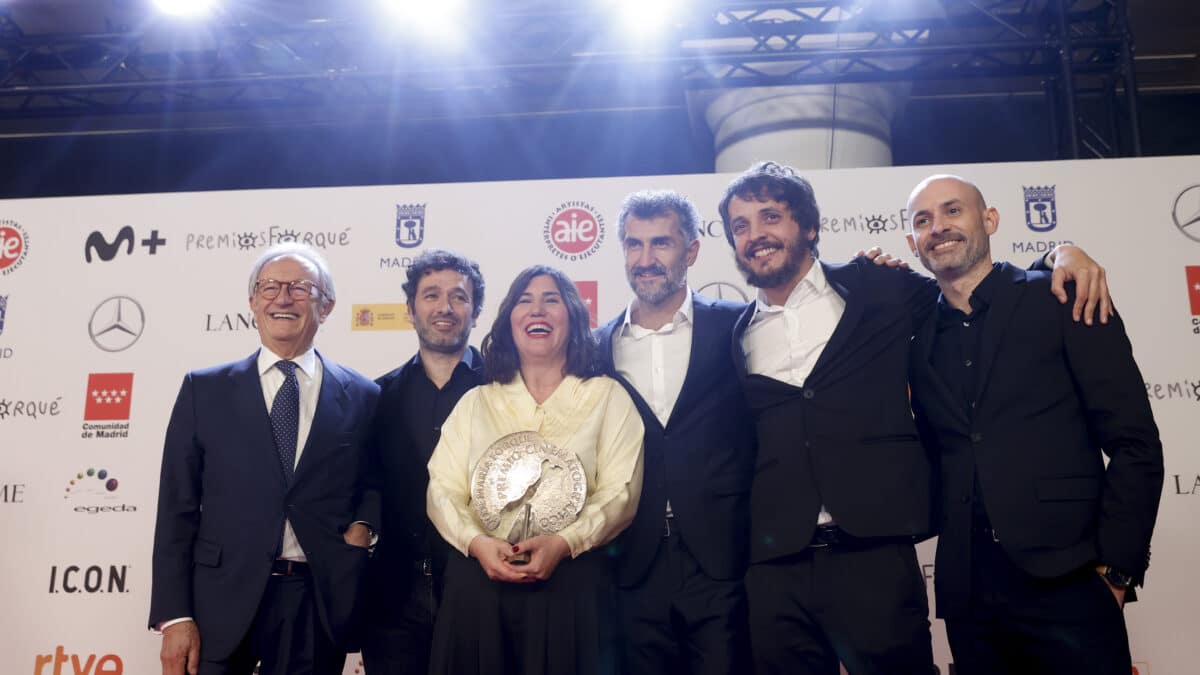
x=529, y=485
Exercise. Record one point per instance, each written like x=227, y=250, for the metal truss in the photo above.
x=1080, y=52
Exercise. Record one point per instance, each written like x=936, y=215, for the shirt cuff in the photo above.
x=163, y=625
x=374, y=534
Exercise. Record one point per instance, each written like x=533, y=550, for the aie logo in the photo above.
x=1041, y=212
x=1185, y=212
x=14, y=246
x=410, y=225
x=116, y=323
x=97, y=244
x=574, y=231
x=93, y=579
x=109, y=664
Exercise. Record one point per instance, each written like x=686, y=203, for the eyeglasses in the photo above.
x=298, y=290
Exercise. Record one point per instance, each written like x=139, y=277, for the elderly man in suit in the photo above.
x=682, y=560
x=263, y=525
x=1040, y=542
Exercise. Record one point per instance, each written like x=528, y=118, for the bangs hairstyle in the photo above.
x=437, y=260
x=501, y=362
x=768, y=181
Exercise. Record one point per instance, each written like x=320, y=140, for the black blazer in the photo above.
x=847, y=437
x=223, y=498
x=701, y=460
x=1052, y=395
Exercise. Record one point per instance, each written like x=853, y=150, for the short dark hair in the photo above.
x=771, y=181
x=500, y=359
x=656, y=203
x=436, y=260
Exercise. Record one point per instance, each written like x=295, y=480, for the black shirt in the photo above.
x=955, y=357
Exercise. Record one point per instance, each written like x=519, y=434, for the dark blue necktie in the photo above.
x=285, y=418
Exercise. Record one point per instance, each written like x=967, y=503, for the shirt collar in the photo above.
x=682, y=315
x=307, y=361
x=813, y=282
x=981, y=298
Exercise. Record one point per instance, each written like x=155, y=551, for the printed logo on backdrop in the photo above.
x=1041, y=211
x=1141, y=668
x=108, y=401
x=590, y=292
x=722, y=290
x=1182, y=484
x=12, y=493
x=98, y=246
x=5, y=352
x=1192, y=272
x=410, y=225
x=116, y=323
x=230, y=322
x=94, y=491
x=1183, y=389
x=249, y=240
x=29, y=408
x=574, y=231
x=89, y=579
x=56, y=663
x=383, y=316
x=868, y=223
x=14, y=246
x=1185, y=212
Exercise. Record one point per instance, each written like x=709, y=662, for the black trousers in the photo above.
x=680, y=621
x=286, y=635
x=861, y=602
x=398, y=642
x=1017, y=623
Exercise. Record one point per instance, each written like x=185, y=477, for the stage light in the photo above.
x=436, y=20
x=184, y=7
x=645, y=17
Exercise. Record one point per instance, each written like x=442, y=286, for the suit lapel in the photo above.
x=922, y=365
x=702, y=343
x=331, y=409
x=1004, y=303
x=251, y=415
x=843, y=279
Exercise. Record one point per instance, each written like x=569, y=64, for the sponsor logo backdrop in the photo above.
x=175, y=265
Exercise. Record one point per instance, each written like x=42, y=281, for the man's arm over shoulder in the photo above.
x=178, y=515
x=1120, y=421
x=917, y=292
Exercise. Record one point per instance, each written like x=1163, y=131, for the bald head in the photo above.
x=972, y=189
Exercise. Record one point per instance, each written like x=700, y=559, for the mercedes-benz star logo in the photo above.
x=724, y=291
x=1186, y=212
x=116, y=323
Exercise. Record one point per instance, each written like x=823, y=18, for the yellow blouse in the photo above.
x=593, y=418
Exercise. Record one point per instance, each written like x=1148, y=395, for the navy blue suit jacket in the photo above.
x=702, y=460
x=223, y=498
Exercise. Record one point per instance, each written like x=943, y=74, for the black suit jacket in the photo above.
x=223, y=499
x=846, y=439
x=1052, y=395
x=401, y=477
x=701, y=460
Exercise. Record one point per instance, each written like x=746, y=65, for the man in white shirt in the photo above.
x=681, y=562
x=263, y=524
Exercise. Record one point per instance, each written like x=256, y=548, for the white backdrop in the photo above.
x=75, y=566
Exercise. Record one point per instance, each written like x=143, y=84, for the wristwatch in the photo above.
x=1116, y=577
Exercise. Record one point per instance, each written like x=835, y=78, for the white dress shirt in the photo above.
x=784, y=342
x=308, y=377
x=656, y=361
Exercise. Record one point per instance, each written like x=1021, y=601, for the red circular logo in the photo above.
x=574, y=231
x=13, y=246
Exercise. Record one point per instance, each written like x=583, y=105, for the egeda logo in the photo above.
x=94, y=491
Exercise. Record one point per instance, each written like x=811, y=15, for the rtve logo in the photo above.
x=52, y=664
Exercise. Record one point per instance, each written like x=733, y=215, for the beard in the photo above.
x=970, y=254
x=442, y=343
x=673, y=279
x=794, y=251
